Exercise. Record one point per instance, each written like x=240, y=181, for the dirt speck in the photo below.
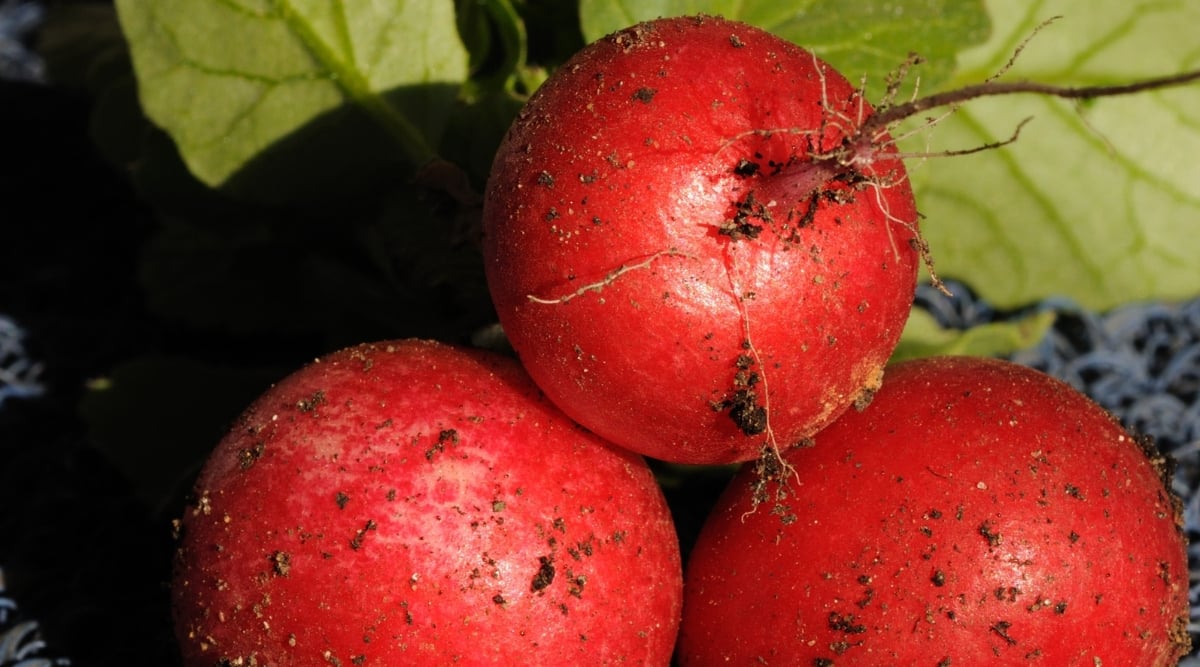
x=863, y=399
x=281, y=563
x=311, y=403
x=746, y=168
x=644, y=95
x=448, y=436
x=744, y=408
x=575, y=584
x=248, y=456
x=1007, y=594
x=357, y=541
x=631, y=38
x=545, y=574
x=746, y=413
x=749, y=217
x=990, y=534
x=1001, y=630
x=845, y=623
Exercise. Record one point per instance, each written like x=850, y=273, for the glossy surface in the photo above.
x=675, y=268
x=413, y=503
x=978, y=512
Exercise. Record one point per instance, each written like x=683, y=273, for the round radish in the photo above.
x=413, y=503
x=683, y=250
x=978, y=512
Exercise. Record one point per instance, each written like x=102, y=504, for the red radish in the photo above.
x=411, y=503
x=978, y=512
x=684, y=252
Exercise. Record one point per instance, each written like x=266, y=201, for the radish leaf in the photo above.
x=860, y=39
x=230, y=81
x=1095, y=201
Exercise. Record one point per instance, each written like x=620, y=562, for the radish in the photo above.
x=411, y=503
x=978, y=512
x=701, y=241
x=683, y=253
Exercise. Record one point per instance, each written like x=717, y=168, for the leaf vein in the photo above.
x=356, y=88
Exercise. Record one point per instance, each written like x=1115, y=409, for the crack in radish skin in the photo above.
x=611, y=277
x=592, y=191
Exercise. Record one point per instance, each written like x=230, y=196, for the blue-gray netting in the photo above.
x=18, y=19
x=18, y=374
x=21, y=643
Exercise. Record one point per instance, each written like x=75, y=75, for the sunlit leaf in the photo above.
x=860, y=39
x=231, y=80
x=1100, y=201
x=924, y=338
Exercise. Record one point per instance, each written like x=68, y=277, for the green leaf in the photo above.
x=231, y=81
x=860, y=39
x=1098, y=202
x=923, y=337
x=158, y=417
x=495, y=37
x=401, y=267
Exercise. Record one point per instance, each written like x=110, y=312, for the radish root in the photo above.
x=611, y=277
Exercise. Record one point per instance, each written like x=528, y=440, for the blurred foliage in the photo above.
x=314, y=176
x=923, y=337
x=1098, y=199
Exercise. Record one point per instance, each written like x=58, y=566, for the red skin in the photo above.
x=411, y=503
x=625, y=162
x=971, y=494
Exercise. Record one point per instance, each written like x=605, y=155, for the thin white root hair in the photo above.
x=922, y=246
x=1012, y=60
x=1088, y=125
x=930, y=121
x=860, y=114
x=832, y=114
x=764, y=132
x=966, y=151
x=768, y=431
x=771, y=448
x=610, y=278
